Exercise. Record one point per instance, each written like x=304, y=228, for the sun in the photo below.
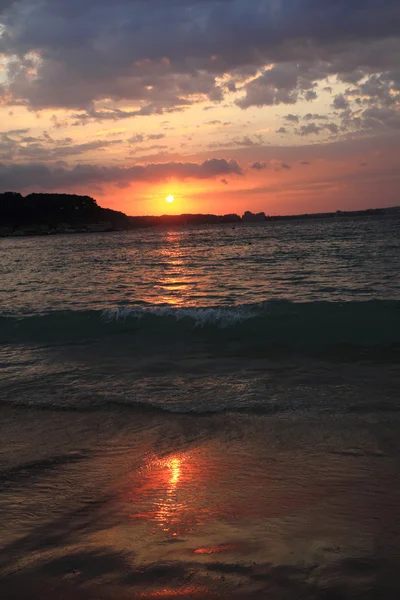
x=169, y=199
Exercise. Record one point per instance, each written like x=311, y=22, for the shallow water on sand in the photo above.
x=233, y=505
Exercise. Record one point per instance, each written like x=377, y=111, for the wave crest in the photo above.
x=277, y=324
x=221, y=317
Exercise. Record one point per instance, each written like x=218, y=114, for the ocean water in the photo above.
x=202, y=319
x=201, y=413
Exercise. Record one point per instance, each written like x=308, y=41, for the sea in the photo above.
x=202, y=412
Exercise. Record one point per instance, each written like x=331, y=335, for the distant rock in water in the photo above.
x=38, y=214
x=250, y=217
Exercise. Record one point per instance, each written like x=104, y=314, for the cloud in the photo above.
x=16, y=145
x=314, y=117
x=259, y=166
x=332, y=128
x=148, y=148
x=310, y=129
x=132, y=59
x=275, y=164
x=115, y=114
x=378, y=118
x=382, y=89
x=139, y=138
x=340, y=102
x=292, y=118
x=283, y=84
x=310, y=95
x=372, y=120
x=244, y=142
x=314, y=129
x=162, y=56
x=37, y=151
x=22, y=176
x=247, y=141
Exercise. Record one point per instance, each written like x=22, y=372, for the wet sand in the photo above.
x=127, y=504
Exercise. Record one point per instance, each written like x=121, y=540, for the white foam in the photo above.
x=223, y=317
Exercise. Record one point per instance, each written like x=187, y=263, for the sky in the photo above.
x=281, y=106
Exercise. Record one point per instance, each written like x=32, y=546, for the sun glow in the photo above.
x=169, y=199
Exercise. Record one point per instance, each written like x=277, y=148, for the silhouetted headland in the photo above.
x=40, y=214
x=45, y=214
x=182, y=220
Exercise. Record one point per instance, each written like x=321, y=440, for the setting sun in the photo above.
x=170, y=199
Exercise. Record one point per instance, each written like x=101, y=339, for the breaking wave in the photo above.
x=279, y=324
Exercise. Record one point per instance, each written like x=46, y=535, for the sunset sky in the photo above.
x=282, y=106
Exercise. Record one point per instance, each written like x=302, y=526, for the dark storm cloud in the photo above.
x=163, y=54
x=22, y=176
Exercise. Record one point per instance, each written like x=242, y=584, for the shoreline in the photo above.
x=40, y=231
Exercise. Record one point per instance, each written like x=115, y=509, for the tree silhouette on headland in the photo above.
x=56, y=210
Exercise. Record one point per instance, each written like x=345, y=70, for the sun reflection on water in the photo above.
x=176, y=278
x=170, y=507
x=170, y=493
x=175, y=466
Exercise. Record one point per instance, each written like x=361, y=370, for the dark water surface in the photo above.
x=332, y=260
x=207, y=412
